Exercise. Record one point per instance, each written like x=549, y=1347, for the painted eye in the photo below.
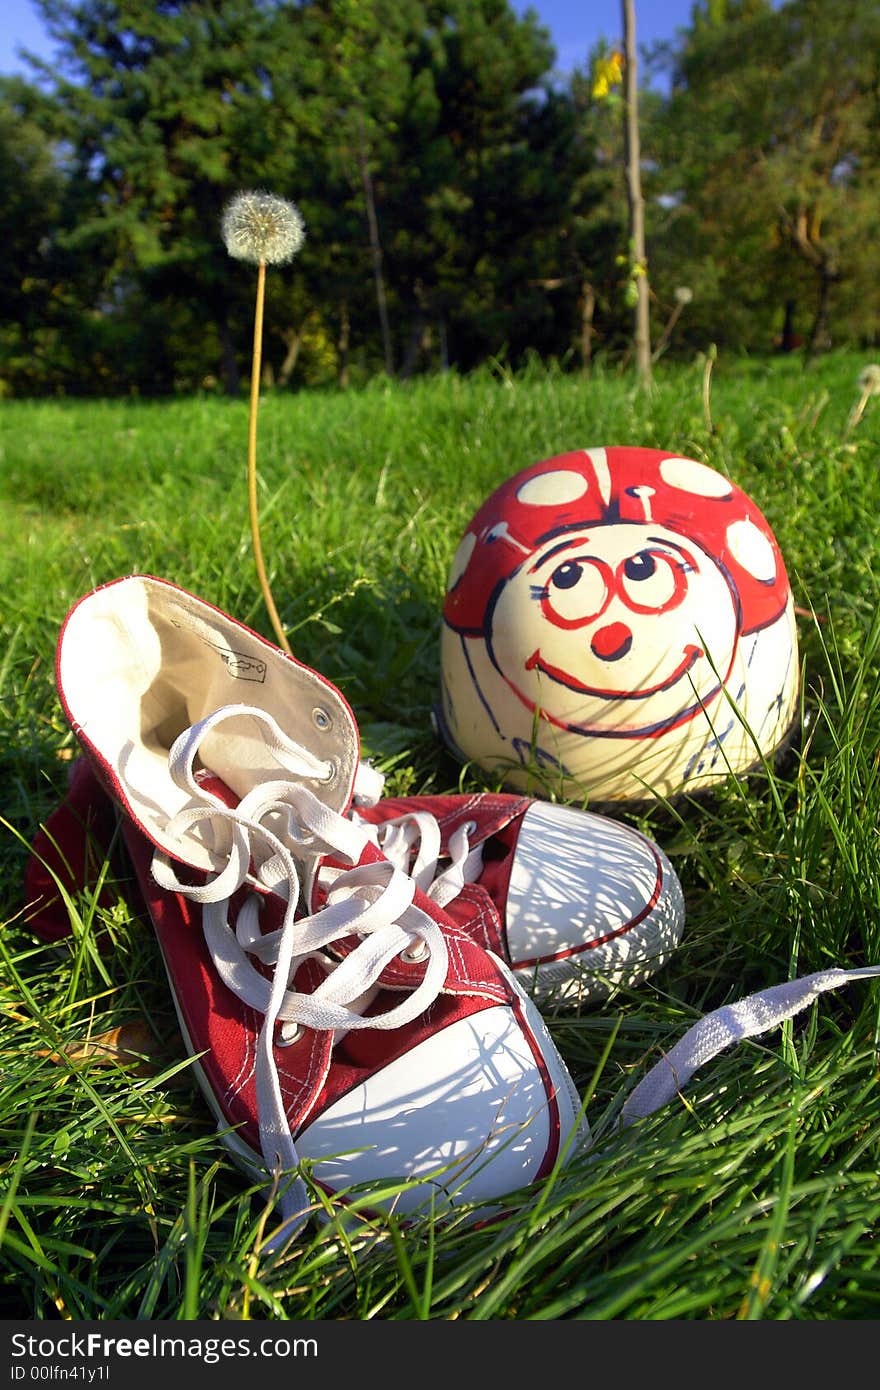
x=652, y=581
x=567, y=575
x=577, y=591
x=640, y=567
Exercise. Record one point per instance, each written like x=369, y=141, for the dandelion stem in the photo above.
x=667, y=332
x=707, y=373
x=256, y=368
x=857, y=412
x=869, y=385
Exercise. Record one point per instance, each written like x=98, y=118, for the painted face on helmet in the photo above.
x=622, y=617
x=624, y=627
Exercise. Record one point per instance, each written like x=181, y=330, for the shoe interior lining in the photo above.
x=140, y=661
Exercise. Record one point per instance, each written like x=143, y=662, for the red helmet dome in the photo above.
x=621, y=620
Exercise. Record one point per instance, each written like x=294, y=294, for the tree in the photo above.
x=164, y=109
x=364, y=76
x=613, y=275
x=475, y=189
x=635, y=200
x=453, y=197
x=29, y=210
x=769, y=151
x=47, y=330
x=407, y=135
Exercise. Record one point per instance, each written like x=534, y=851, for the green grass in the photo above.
x=757, y=1194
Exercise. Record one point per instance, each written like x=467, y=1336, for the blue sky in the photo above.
x=575, y=26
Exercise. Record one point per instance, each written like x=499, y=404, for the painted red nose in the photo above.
x=612, y=642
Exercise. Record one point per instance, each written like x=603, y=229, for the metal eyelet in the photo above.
x=469, y=827
x=415, y=953
x=295, y=1036
x=321, y=719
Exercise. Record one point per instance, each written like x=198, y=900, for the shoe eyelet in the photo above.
x=321, y=719
x=469, y=827
x=282, y=1041
x=416, y=953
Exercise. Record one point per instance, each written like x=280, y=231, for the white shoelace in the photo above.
x=746, y=1018
x=274, y=837
x=413, y=843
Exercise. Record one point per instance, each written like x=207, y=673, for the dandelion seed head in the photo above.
x=683, y=295
x=259, y=226
x=869, y=379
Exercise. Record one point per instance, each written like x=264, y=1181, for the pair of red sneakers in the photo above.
x=357, y=976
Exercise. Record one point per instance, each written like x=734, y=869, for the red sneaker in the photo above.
x=338, y=1013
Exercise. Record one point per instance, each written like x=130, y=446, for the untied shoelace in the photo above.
x=413, y=843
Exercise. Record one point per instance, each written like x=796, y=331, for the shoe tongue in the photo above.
x=215, y=786
x=325, y=869
x=242, y=753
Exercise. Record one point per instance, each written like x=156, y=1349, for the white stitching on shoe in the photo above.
x=242, y=1078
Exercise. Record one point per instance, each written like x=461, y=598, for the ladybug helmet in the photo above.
x=618, y=623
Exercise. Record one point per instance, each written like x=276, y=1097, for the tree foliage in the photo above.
x=461, y=202
x=768, y=151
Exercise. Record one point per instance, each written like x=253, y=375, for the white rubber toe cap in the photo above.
x=591, y=904
x=477, y=1111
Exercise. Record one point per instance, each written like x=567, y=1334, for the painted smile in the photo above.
x=536, y=663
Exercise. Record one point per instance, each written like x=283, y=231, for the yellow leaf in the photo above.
x=132, y=1042
x=608, y=74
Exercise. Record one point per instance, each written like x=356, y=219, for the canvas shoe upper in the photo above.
x=339, y=1014
x=576, y=903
